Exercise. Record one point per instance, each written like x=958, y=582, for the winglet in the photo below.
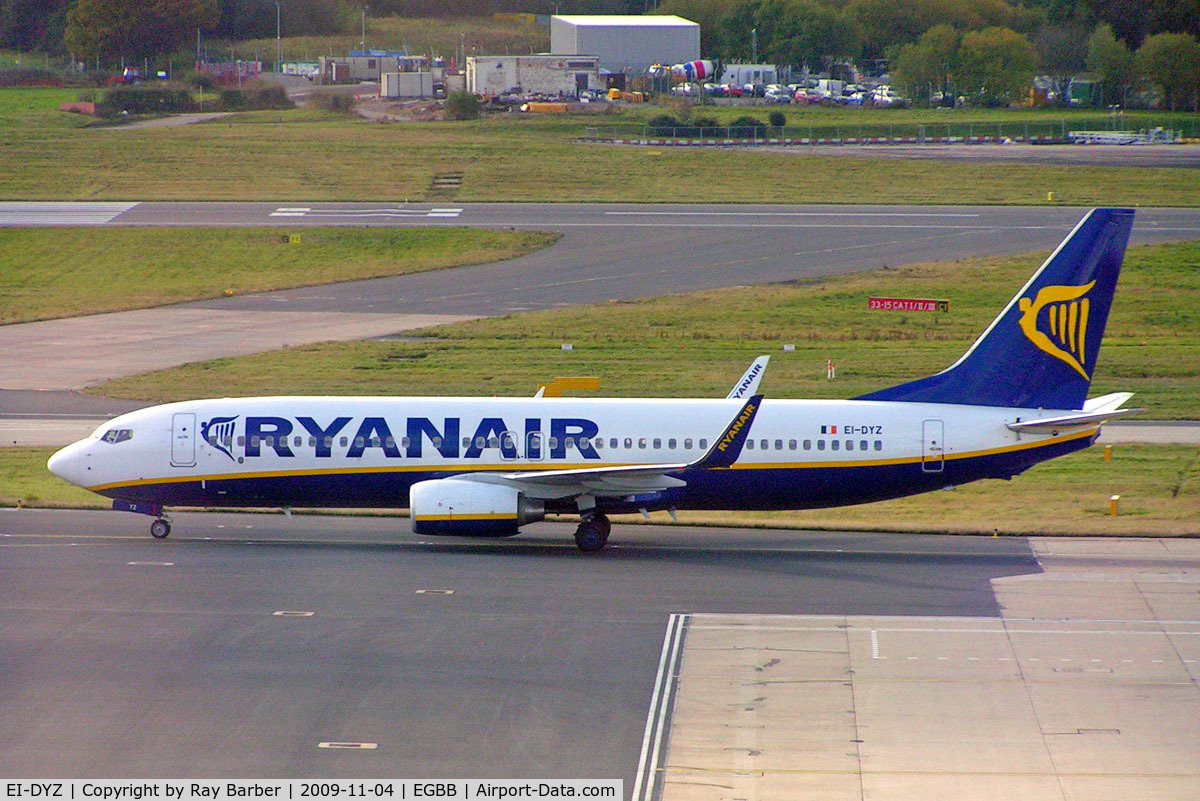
x=748, y=383
x=728, y=446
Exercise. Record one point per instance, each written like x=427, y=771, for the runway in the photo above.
x=236, y=646
x=608, y=252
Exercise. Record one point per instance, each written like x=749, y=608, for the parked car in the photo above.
x=886, y=98
x=130, y=76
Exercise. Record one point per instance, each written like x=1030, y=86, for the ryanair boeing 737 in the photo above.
x=487, y=466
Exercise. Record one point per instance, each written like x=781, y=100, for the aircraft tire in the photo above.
x=592, y=535
x=159, y=529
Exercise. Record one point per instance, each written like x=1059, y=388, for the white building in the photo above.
x=542, y=73
x=626, y=43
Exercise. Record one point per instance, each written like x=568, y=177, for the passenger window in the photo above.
x=437, y=442
x=808, y=444
x=312, y=442
x=255, y=442
x=329, y=442
x=569, y=442
x=687, y=443
x=862, y=444
x=671, y=443
x=358, y=442
x=657, y=443
x=480, y=442
x=343, y=441
x=466, y=442
x=749, y=444
x=704, y=443
x=493, y=442
x=612, y=442
x=778, y=444
x=849, y=444
x=599, y=443
x=404, y=442
x=552, y=443
x=298, y=441
x=765, y=445
x=642, y=443
x=791, y=444
x=820, y=444
x=241, y=441
x=834, y=444
x=375, y=443
x=878, y=444
x=390, y=442
x=628, y=442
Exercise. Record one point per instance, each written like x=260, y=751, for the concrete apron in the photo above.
x=1085, y=688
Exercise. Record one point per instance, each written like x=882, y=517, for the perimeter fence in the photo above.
x=1033, y=132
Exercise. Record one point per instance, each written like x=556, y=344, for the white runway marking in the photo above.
x=787, y=214
x=288, y=211
x=660, y=706
x=14, y=213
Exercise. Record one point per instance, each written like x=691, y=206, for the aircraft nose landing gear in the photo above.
x=592, y=534
x=160, y=528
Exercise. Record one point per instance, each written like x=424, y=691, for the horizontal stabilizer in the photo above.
x=1104, y=403
x=1095, y=411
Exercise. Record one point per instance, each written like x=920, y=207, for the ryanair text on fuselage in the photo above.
x=551, y=438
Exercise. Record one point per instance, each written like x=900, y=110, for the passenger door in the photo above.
x=183, y=439
x=932, y=446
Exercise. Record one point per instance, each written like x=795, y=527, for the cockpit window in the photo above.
x=115, y=435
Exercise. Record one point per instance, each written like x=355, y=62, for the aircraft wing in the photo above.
x=630, y=479
x=1095, y=411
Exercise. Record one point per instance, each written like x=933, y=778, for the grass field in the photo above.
x=698, y=344
x=301, y=155
x=1159, y=488
x=62, y=272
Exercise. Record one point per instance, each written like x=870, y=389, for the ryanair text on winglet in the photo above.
x=732, y=433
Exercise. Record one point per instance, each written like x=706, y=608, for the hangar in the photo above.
x=626, y=42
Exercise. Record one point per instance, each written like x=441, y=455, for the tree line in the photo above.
x=43, y=25
x=988, y=50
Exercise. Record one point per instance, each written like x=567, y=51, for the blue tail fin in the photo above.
x=1041, y=351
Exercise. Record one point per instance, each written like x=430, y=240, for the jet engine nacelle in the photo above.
x=451, y=506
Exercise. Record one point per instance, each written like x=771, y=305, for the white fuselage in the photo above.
x=366, y=451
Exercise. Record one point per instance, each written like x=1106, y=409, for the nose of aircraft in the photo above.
x=72, y=463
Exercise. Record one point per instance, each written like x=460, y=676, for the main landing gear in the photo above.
x=592, y=534
x=160, y=528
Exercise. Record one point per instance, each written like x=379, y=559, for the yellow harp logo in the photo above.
x=1062, y=332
